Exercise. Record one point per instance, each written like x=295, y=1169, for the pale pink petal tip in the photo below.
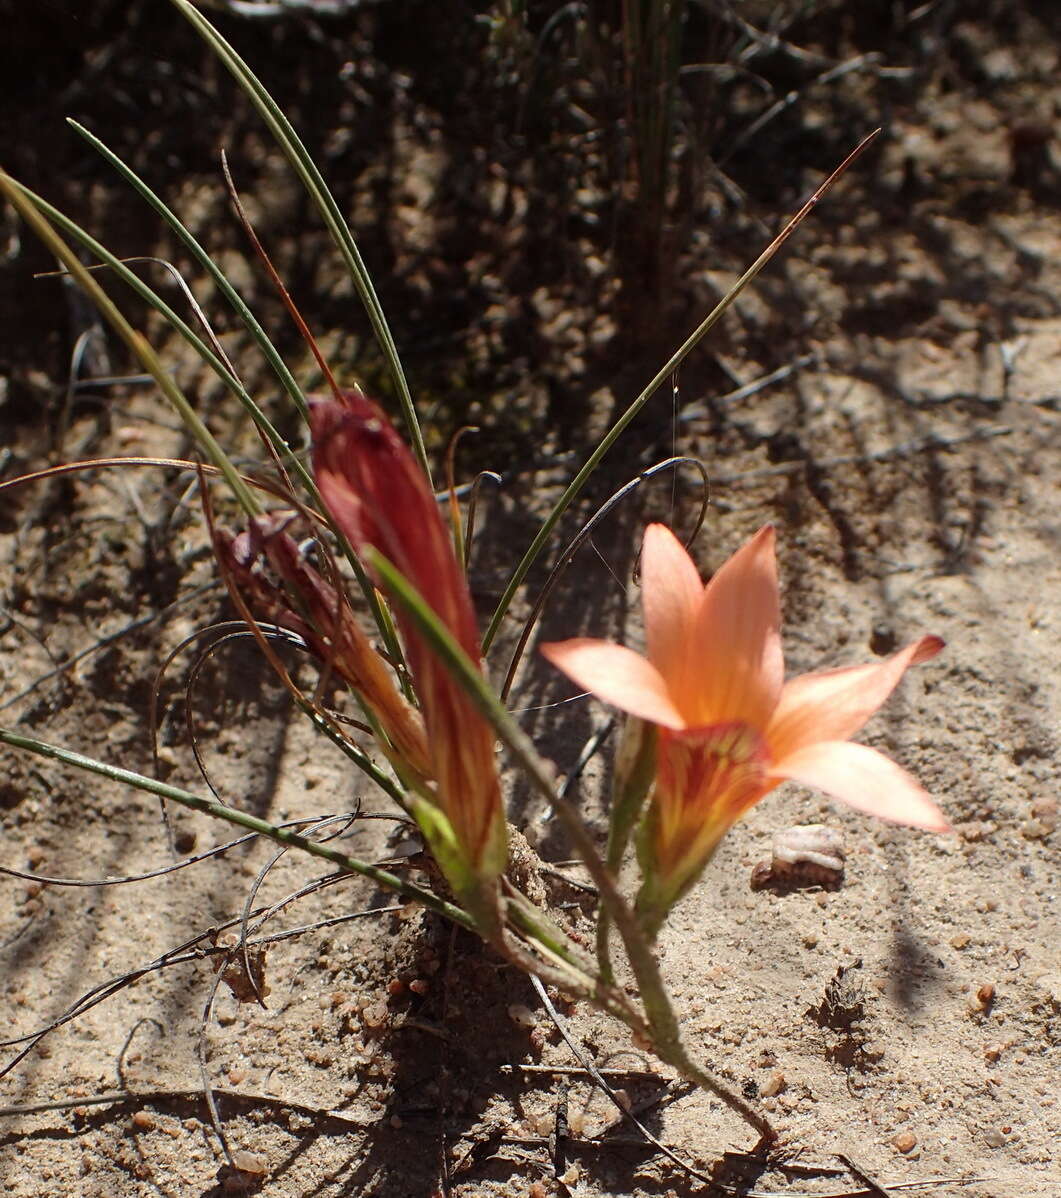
x=866, y=780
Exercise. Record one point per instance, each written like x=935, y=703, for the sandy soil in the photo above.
x=911, y=1019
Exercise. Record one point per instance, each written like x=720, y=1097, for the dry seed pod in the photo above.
x=804, y=855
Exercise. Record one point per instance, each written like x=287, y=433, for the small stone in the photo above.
x=395, y=987
x=248, y=1162
x=992, y=1052
x=994, y=1138
x=35, y=855
x=1034, y=829
x=144, y=1121
x=962, y=940
x=1045, y=811
x=905, y=1141
x=522, y=1015
x=374, y=1014
x=773, y=1085
x=420, y=986
x=166, y=757
x=985, y=994
x=974, y=830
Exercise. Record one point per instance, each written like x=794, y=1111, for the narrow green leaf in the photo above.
x=206, y=262
x=241, y=819
x=30, y=208
x=661, y=376
x=150, y=296
x=311, y=178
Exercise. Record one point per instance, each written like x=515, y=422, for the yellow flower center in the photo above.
x=706, y=779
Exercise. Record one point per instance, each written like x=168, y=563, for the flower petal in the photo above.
x=864, y=779
x=618, y=676
x=671, y=592
x=736, y=646
x=834, y=704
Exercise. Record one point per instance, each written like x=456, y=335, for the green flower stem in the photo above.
x=242, y=819
x=634, y=773
x=666, y=1039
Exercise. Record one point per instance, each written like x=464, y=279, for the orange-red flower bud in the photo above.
x=326, y=623
x=380, y=498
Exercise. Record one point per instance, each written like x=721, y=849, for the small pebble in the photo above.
x=992, y=1051
x=419, y=986
x=1035, y=829
x=905, y=1141
x=975, y=830
x=773, y=1085
x=994, y=1138
x=522, y=1015
x=374, y=1014
x=1045, y=811
x=35, y=855
x=985, y=995
x=960, y=941
x=144, y=1121
x=248, y=1162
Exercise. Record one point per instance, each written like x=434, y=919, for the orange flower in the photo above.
x=380, y=498
x=730, y=728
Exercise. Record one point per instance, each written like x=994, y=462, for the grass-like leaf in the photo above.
x=241, y=819
x=250, y=322
x=311, y=178
x=665, y=371
x=33, y=211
